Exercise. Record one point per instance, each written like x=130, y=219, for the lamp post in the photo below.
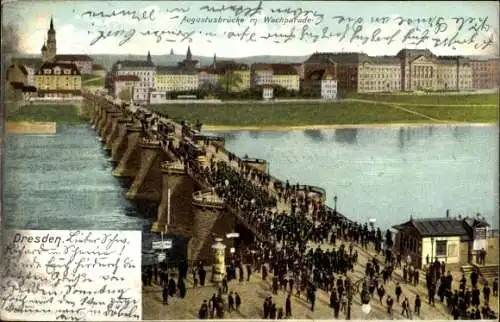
x=335, y=203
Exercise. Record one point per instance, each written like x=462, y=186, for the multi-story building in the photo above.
x=174, y=78
x=379, y=74
x=207, y=78
x=58, y=80
x=422, y=70
x=124, y=83
x=144, y=70
x=261, y=74
x=409, y=70
x=49, y=53
x=285, y=75
x=320, y=83
x=485, y=73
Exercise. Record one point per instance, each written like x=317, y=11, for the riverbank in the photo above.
x=66, y=114
x=229, y=128
x=31, y=128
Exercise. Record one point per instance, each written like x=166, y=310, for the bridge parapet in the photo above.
x=208, y=139
x=208, y=198
x=134, y=127
x=259, y=164
x=173, y=167
x=313, y=192
x=147, y=142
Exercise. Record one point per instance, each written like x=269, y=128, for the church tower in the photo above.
x=214, y=63
x=149, y=60
x=188, y=55
x=51, y=41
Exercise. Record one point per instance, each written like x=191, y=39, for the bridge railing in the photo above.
x=254, y=160
x=208, y=197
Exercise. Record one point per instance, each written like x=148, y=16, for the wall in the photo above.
x=429, y=246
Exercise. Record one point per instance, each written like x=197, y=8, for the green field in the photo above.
x=473, y=114
x=47, y=113
x=451, y=99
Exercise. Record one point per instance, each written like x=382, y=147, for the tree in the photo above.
x=125, y=94
x=388, y=239
x=229, y=80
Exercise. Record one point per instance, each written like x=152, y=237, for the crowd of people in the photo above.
x=296, y=267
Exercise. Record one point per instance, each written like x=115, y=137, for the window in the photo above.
x=441, y=248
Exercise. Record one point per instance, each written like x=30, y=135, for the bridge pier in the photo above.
x=130, y=161
x=210, y=220
x=181, y=188
x=148, y=179
x=102, y=121
x=111, y=134
x=119, y=140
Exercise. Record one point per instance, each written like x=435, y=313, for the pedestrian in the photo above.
x=381, y=292
x=165, y=295
x=203, y=312
x=486, y=293
x=406, y=308
x=390, y=303
x=249, y=272
x=432, y=293
x=225, y=287
x=418, y=304
x=399, y=291
x=495, y=287
x=195, y=278
x=237, y=300
x=230, y=302
x=288, y=306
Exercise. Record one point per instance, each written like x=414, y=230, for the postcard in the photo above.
x=249, y=160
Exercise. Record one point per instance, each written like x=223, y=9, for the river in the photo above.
x=65, y=181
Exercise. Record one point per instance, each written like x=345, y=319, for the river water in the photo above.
x=65, y=181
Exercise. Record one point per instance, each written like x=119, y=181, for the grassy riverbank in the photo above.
x=67, y=114
x=302, y=114
x=431, y=99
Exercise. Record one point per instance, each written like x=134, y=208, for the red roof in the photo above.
x=126, y=78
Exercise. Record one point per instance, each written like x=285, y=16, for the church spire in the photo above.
x=51, y=24
x=188, y=55
x=149, y=57
x=215, y=61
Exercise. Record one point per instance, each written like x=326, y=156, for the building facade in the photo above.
x=320, y=83
x=176, y=79
x=379, y=74
x=144, y=70
x=485, y=74
x=58, y=80
x=261, y=74
x=448, y=240
x=286, y=75
x=409, y=70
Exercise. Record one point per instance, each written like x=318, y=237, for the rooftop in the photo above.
x=433, y=227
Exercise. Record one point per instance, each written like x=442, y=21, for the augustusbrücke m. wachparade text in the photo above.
x=239, y=20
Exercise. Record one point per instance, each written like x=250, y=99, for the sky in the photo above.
x=158, y=27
